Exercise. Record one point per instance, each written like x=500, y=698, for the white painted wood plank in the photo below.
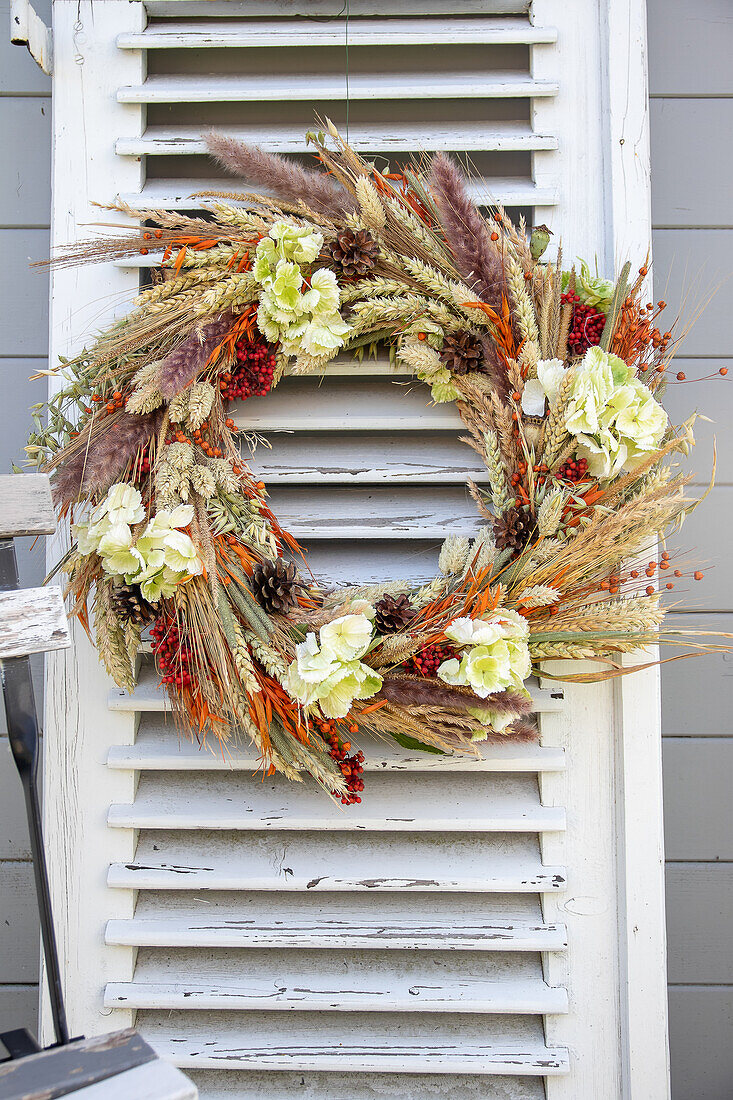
x=376, y=512
x=356, y=930
x=260, y=88
x=156, y=1080
x=159, y=747
x=489, y=137
x=256, y=34
x=397, y=458
x=25, y=505
x=32, y=620
x=466, y=996
x=313, y=1041
x=180, y=194
x=86, y=298
x=485, y=803
x=281, y=1085
x=324, y=862
x=148, y=696
x=215, y=9
x=354, y=402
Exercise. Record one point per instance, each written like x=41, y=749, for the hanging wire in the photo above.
x=345, y=10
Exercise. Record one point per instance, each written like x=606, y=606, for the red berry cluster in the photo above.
x=170, y=652
x=253, y=374
x=586, y=325
x=141, y=463
x=427, y=661
x=352, y=767
x=573, y=470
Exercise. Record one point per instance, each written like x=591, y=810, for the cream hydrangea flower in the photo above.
x=123, y=504
x=347, y=637
x=327, y=670
x=614, y=415
x=544, y=387
x=496, y=654
x=118, y=554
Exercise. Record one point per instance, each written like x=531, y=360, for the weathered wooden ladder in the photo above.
x=34, y=621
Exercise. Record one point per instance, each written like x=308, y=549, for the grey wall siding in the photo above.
x=691, y=82
x=691, y=76
x=25, y=129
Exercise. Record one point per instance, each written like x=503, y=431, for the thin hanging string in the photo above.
x=346, y=45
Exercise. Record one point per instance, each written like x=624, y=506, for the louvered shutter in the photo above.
x=473, y=929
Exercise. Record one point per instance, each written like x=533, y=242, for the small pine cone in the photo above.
x=129, y=604
x=274, y=585
x=393, y=613
x=354, y=252
x=462, y=352
x=512, y=530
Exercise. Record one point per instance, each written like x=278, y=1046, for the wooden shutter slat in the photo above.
x=311, y=1041
x=326, y=862
x=262, y=88
x=148, y=696
x=255, y=34
x=252, y=926
x=157, y=748
x=175, y=194
x=481, y=803
x=495, y=136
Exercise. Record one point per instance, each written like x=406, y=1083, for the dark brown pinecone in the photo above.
x=461, y=352
x=512, y=530
x=393, y=613
x=129, y=605
x=354, y=252
x=274, y=585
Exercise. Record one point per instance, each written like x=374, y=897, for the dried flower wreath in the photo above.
x=556, y=376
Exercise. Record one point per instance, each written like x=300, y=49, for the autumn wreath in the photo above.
x=556, y=375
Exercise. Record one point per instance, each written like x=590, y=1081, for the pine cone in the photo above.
x=393, y=613
x=461, y=352
x=354, y=252
x=129, y=604
x=512, y=530
x=274, y=585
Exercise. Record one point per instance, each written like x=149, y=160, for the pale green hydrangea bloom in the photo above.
x=495, y=654
x=159, y=559
x=327, y=670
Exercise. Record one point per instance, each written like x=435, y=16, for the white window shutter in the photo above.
x=490, y=929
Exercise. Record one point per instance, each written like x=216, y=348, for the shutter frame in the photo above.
x=82, y=732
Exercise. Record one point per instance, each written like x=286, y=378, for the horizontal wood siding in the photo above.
x=690, y=46
x=25, y=122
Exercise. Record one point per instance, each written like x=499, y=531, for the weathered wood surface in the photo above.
x=259, y=33
x=25, y=505
x=268, y=88
x=493, y=137
x=103, y=1059
x=318, y=1040
x=32, y=620
x=333, y=863
x=317, y=1085
x=483, y=803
